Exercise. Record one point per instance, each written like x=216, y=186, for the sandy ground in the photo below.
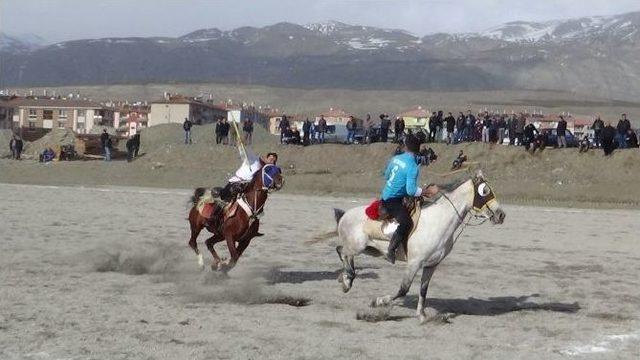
x=105, y=273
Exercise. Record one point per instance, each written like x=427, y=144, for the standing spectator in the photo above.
x=623, y=127
x=631, y=139
x=19, y=147
x=12, y=147
x=351, y=129
x=103, y=141
x=385, y=124
x=433, y=126
x=16, y=145
x=219, y=130
x=108, y=148
x=368, y=126
x=494, y=130
x=439, y=126
x=322, y=129
x=136, y=144
x=530, y=133
x=398, y=129
x=511, y=126
x=283, y=126
x=597, y=127
x=470, y=122
x=608, y=137
x=130, y=148
x=306, y=130
x=460, y=125
x=450, y=123
x=477, y=135
x=520, y=124
x=486, y=124
x=502, y=129
x=224, y=131
x=186, y=125
x=313, y=133
x=561, y=132
x=247, y=129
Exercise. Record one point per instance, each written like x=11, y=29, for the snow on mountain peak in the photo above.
x=327, y=27
x=620, y=26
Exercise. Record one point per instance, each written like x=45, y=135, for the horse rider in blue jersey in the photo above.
x=401, y=177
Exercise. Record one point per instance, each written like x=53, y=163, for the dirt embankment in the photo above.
x=560, y=176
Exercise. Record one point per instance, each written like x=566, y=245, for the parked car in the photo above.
x=551, y=136
x=338, y=134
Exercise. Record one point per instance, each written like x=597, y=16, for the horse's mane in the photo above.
x=450, y=186
x=445, y=188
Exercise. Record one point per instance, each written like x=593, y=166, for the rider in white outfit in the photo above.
x=251, y=164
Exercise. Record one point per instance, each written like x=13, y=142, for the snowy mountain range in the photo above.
x=592, y=54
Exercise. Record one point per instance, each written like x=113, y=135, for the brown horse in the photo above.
x=239, y=220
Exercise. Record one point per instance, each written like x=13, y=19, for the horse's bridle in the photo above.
x=266, y=189
x=476, y=211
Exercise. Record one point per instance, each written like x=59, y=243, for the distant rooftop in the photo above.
x=179, y=99
x=49, y=102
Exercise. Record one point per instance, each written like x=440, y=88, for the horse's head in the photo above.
x=485, y=203
x=271, y=177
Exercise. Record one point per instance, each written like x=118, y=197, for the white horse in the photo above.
x=431, y=241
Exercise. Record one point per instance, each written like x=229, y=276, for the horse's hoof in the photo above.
x=225, y=266
x=215, y=265
x=381, y=301
x=200, y=262
x=345, y=282
x=432, y=315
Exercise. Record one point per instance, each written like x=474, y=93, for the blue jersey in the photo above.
x=401, y=177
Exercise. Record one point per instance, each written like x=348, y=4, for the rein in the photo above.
x=461, y=218
x=255, y=209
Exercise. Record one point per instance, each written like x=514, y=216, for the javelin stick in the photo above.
x=241, y=148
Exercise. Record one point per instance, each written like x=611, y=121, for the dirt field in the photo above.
x=105, y=273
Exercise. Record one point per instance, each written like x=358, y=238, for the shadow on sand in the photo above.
x=492, y=306
x=277, y=276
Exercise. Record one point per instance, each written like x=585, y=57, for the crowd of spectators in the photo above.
x=513, y=129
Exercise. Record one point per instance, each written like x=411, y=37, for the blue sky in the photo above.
x=59, y=20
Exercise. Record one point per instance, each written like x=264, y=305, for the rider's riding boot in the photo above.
x=393, y=246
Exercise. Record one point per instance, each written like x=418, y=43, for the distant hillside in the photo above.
x=594, y=55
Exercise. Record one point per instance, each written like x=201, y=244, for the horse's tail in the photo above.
x=197, y=194
x=338, y=214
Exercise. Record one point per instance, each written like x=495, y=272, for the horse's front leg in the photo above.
x=246, y=240
x=427, y=273
x=230, y=237
x=412, y=269
x=216, y=238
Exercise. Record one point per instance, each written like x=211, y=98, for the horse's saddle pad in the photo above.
x=207, y=205
x=384, y=229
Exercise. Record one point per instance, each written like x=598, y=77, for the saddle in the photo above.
x=383, y=227
x=210, y=208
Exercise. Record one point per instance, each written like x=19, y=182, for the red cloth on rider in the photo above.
x=373, y=210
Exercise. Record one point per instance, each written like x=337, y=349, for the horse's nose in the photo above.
x=501, y=215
